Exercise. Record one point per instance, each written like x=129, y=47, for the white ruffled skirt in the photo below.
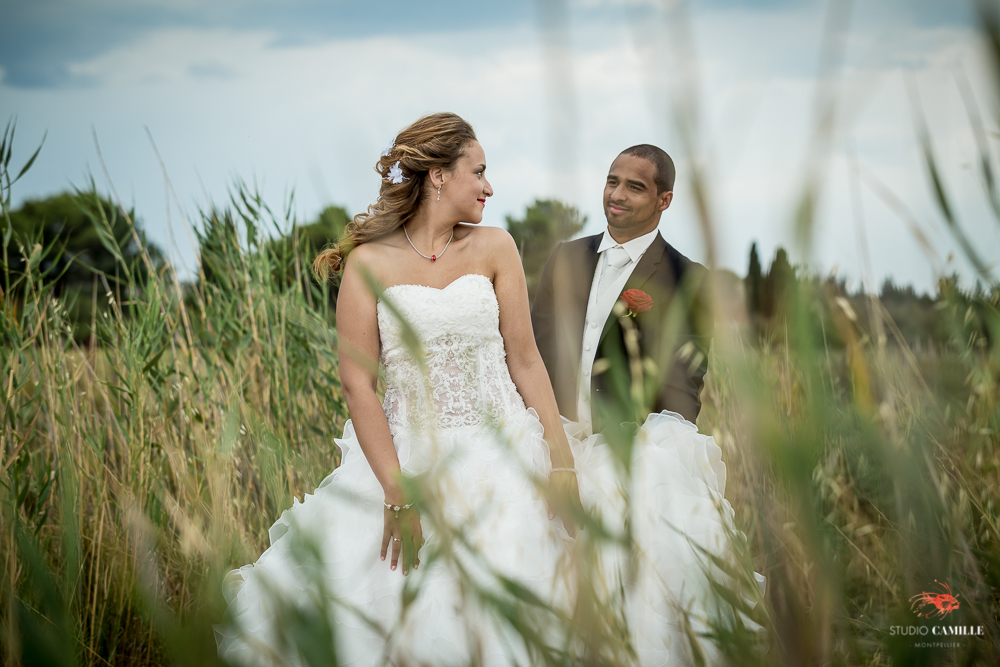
x=491, y=554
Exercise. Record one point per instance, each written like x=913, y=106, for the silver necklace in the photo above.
x=433, y=258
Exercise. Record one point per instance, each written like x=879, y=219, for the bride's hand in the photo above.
x=405, y=536
x=564, y=498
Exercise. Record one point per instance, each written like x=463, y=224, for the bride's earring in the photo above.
x=439, y=192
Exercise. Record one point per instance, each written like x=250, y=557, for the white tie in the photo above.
x=617, y=257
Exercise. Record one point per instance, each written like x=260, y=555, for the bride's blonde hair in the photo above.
x=437, y=140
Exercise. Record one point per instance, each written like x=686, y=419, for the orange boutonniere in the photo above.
x=636, y=301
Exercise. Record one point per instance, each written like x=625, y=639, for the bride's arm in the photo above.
x=358, y=351
x=523, y=359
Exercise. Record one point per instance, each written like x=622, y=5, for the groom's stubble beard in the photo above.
x=629, y=225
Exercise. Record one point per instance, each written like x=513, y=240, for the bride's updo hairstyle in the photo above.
x=437, y=140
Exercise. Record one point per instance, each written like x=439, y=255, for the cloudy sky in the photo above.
x=302, y=96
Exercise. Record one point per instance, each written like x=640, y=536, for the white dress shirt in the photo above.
x=604, y=292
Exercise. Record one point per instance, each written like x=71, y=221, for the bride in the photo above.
x=463, y=524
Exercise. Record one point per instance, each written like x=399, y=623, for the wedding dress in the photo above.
x=491, y=553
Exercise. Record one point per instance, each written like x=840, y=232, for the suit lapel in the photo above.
x=575, y=276
x=581, y=287
x=648, y=265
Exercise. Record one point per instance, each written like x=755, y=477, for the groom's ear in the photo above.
x=664, y=200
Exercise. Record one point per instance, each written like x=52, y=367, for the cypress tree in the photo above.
x=753, y=283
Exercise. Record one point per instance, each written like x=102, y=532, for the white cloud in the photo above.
x=222, y=103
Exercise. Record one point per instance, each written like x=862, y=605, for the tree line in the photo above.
x=70, y=232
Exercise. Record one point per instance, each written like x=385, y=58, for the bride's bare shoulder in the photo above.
x=487, y=239
x=494, y=250
x=371, y=255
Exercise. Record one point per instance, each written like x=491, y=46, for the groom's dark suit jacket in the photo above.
x=675, y=334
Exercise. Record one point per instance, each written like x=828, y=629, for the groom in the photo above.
x=584, y=345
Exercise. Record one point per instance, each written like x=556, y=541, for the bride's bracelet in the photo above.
x=395, y=508
x=572, y=470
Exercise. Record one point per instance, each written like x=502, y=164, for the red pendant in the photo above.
x=434, y=258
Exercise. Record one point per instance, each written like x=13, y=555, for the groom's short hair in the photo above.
x=664, y=165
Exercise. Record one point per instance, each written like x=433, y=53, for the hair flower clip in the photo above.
x=388, y=149
x=396, y=174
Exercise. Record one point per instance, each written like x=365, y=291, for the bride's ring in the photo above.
x=395, y=539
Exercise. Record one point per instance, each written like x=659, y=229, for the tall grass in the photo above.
x=138, y=469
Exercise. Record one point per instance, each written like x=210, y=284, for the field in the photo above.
x=136, y=471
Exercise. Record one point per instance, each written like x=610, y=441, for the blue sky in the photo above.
x=302, y=96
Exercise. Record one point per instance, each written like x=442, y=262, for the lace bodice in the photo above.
x=465, y=381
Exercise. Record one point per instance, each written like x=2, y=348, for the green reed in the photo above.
x=136, y=470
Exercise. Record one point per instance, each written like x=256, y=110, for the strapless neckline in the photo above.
x=441, y=289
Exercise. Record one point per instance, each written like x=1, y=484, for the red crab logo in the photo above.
x=941, y=604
